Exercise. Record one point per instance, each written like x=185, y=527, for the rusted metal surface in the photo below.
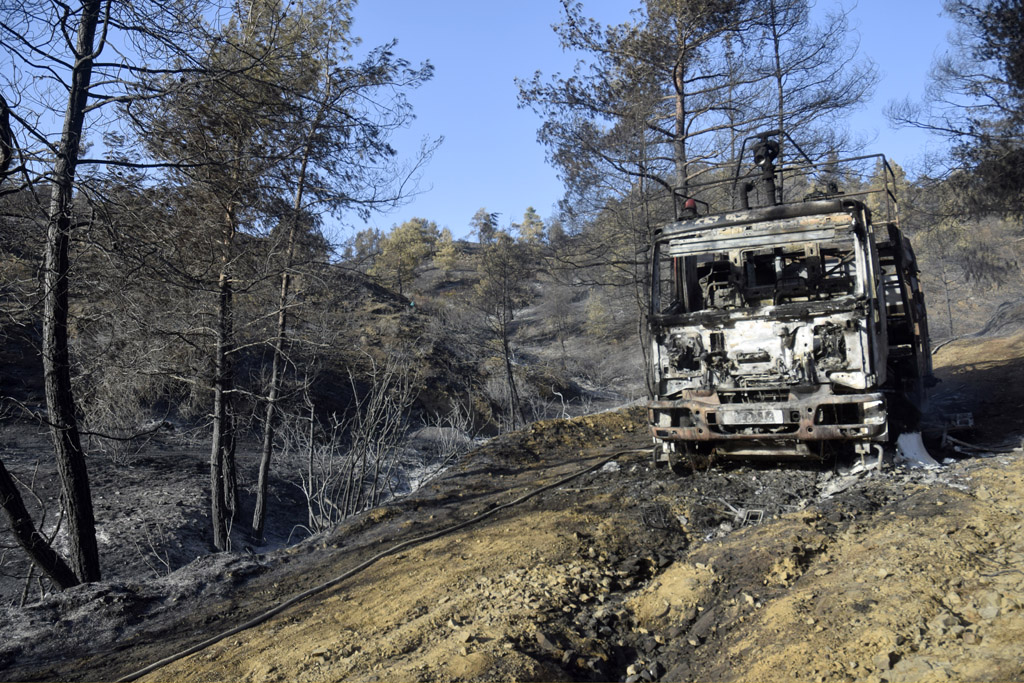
x=818, y=416
x=808, y=221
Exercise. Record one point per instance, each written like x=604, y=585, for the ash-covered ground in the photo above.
x=151, y=507
x=625, y=573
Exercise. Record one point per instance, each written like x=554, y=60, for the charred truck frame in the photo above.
x=791, y=329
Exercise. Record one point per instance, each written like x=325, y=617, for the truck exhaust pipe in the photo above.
x=765, y=153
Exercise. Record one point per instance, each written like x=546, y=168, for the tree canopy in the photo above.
x=975, y=99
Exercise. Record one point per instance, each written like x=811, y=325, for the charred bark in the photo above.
x=75, y=493
x=223, y=426
x=24, y=530
x=6, y=139
x=515, y=404
x=679, y=156
x=259, y=515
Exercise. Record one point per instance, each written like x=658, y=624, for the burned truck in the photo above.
x=793, y=329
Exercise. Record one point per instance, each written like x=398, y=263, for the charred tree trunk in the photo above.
x=24, y=530
x=641, y=285
x=223, y=426
x=6, y=139
x=679, y=143
x=515, y=405
x=75, y=493
x=780, y=93
x=229, y=431
x=259, y=516
x=223, y=477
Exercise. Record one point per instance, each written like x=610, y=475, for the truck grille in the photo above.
x=754, y=396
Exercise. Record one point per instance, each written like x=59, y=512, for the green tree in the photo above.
x=342, y=160
x=599, y=321
x=652, y=104
x=887, y=187
x=226, y=137
x=531, y=230
x=650, y=99
x=403, y=250
x=556, y=233
x=815, y=79
x=447, y=256
x=364, y=247
x=484, y=225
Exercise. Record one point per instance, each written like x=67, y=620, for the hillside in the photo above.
x=624, y=573
x=351, y=337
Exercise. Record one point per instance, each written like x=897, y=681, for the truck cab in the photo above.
x=790, y=330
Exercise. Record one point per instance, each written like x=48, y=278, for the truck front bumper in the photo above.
x=815, y=416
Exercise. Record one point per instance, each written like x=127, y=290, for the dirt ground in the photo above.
x=625, y=573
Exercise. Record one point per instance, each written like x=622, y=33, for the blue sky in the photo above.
x=490, y=157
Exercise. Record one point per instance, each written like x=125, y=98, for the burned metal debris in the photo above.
x=794, y=329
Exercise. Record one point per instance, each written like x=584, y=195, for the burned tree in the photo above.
x=341, y=160
x=502, y=291
x=64, y=68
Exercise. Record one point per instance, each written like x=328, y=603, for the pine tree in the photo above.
x=484, y=225
x=531, y=230
x=403, y=250
x=447, y=256
x=503, y=289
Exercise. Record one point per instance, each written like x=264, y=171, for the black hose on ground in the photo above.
x=294, y=600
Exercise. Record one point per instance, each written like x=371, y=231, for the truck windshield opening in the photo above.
x=755, y=277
